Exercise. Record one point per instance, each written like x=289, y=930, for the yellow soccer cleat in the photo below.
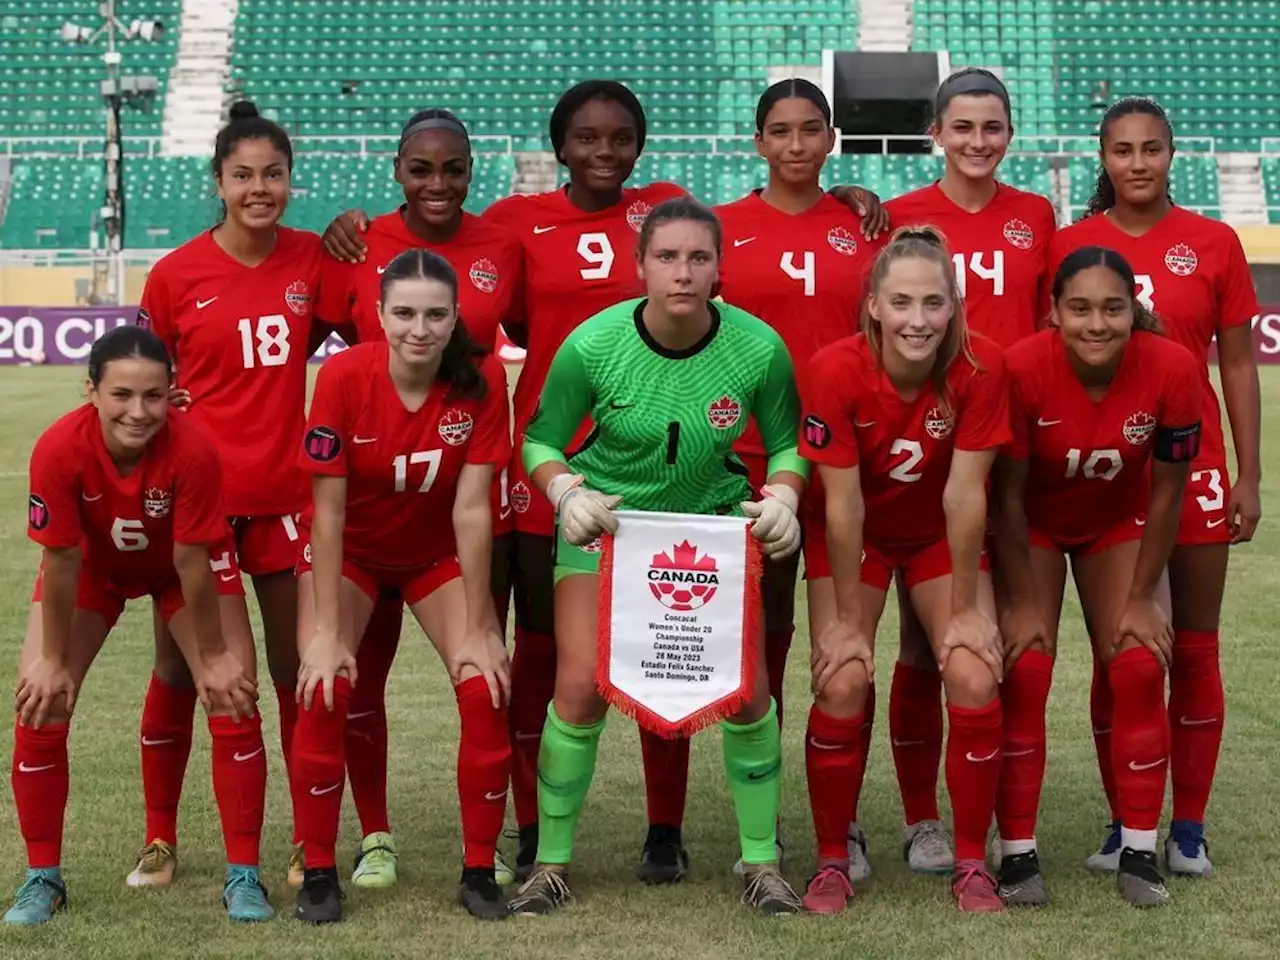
x=156, y=865
x=296, y=867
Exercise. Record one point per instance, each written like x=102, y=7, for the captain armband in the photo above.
x=1177, y=444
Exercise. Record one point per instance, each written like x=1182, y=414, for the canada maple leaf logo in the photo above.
x=681, y=580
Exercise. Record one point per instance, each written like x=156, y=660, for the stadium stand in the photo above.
x=1271, y=183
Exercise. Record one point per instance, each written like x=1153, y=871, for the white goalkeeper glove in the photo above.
x=776, y=525
x=584, y=513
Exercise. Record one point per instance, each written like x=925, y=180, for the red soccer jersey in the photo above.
x=401, y=466
x=1001, y=255
x=1087, y=468
x=486, y=257
x=803, y=274
x=126, y=526
x=239, y=337
x=1192, y=273
x=854, y=417
x=575, y=264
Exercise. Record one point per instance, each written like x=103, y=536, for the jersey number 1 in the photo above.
x=272, y=336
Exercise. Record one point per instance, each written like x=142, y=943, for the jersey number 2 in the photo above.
x=905, y=471
x=272, y=336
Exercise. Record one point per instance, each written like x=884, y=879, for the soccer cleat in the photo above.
x=974, y=888
x=319, y=897
x=664, y=859
x=859, y=865
x=481, y=896
x=546, y=891
x=297, y=867
x=157, y=863
x=1139, y=881
x=503, y=875
x=778, y=850
x=829, y=892
x=245, y=897
x=1022, y=882
x=995, y=851
x=767, y=891
x=1107, y=859
x=375, y=867
x=927, y=848
x=527, y=852
x=1185, y=851
x=41, y=895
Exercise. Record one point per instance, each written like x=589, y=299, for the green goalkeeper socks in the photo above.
x=566, y=763
x=753, y=764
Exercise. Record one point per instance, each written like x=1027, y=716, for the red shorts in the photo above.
x=531, y=511
x=414, y=583
x=1204, y=506
x=918, y=564
x=1122, y=532
x=504, y=520
x=98, y=593
x=266, y=545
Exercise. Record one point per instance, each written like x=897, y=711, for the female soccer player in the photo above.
x=1106, y=419
x=127, y=502
x=904, y=422
x=1191, y=272
x=668, y=356
x=433, y=165
x=402, y=432
x=999, y=237
x=795, y=257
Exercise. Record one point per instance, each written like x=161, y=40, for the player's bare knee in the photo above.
x=173, y=672
x=968, y=681
x=578, y=702
x=845, y=694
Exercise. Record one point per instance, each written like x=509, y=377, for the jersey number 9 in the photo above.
x=596, y=249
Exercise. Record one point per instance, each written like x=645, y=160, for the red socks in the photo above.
x=1139, y=736
x=533, y=684
x=973, y=774
x=1100, y=719
x=40, y=781
x=168, y=714
x=1196, y=709
x=316, y=774
x=240, y=785
x=666, y=777
x=366, y=731
x=834, y=757
x=1023, y=696
x=915, y=730
x=484, y=766
x=777, y=644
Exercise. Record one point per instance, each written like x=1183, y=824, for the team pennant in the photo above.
x=679, y=613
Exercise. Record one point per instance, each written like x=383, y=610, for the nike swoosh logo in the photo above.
x=88, y=499
x=541, y=230
x=317, y=792
x=765, y=774
x=1215, y=523
x=1019, y=753
x=26, y=769
x=227, y=577
x=1141, y=523
x=1042, y=422
x=381, y=271
x=154, y=743
x=528, y=736
x=620, y=406
x=743, y=242
x=363, y=439
x=242, y=757
x=819, y=745
x=362, y=713
x=1200, y=722
x=869, y=423
x=990, y=756
x=1099, y=731
x=500, y=795
x=1145, y=766
x=908, y=743
x=201, y=304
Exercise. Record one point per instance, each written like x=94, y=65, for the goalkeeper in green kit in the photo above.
x=670, y=382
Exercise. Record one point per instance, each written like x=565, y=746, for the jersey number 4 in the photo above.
x=268, y=341
x=402, y=462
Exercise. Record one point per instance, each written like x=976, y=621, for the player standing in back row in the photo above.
x=1192, y=273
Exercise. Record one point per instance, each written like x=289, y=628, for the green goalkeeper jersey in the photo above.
x=665, y=421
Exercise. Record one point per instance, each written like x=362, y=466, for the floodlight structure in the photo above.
x=118, y=91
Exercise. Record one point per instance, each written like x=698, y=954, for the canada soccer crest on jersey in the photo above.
x=1139, y=428
x=724, y=413
x=484, y=275
x=519, y=496
x=157, y=502
x=842, y=241
x=455, y=426
x=681, y=580
x=296, y=297
x=1181, y=260
x=938, y=424
x=1019, y=234
x=637, y=213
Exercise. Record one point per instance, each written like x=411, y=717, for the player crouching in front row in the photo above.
x=402, y=433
